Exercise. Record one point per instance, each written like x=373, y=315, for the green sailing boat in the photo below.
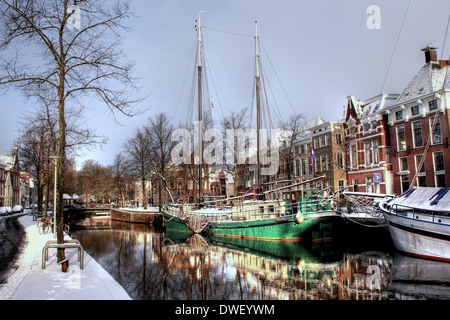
x=311, y=217
x=299, y=215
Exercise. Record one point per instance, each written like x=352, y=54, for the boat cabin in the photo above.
x=307, y=200
x=258, y=209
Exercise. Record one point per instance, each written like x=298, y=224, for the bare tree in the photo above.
x=95, y=182
x=122, y=177
x=77, y=57
x=293, y=129
x=232, y=123
x=193, y=169
x=159, y=132
x=34, y=145
x=137, y=149
x=38, y=141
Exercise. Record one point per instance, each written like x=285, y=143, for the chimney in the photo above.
x=430, y=54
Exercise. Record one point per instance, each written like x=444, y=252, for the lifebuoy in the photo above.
x=299, y=217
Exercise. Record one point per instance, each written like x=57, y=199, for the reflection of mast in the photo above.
x=258, y=111
x=199, y=82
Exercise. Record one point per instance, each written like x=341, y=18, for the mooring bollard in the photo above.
x=64, y=265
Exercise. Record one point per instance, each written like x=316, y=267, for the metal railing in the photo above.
x=242, y=212
x=419, y=214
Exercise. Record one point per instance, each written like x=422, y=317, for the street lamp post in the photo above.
x=55, y=162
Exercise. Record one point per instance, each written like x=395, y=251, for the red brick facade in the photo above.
x=392, y=133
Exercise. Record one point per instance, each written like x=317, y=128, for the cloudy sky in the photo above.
x=315, y=53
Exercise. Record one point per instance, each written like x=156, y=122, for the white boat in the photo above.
x=419, y=222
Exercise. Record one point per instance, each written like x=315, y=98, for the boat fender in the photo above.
x=301, y=265
x=299, y=217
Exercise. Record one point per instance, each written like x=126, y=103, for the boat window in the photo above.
x=261, y=209
x=271, y=209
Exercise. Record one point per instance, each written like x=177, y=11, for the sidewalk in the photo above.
x=31, y=282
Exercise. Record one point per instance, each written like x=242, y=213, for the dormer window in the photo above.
x=415, y=110
x=366, y=127
x=374, y=124
x=433, y=105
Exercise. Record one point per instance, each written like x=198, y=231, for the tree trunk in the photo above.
x=144, y=198
x=60, y=183
x=160, y=193
x=61, y=160
x=236, y=177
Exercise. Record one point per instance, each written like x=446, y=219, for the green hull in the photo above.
x=173, y=223
x=315, y=227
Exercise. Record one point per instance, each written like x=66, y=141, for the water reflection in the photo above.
x=156, y=265
x=419, y=279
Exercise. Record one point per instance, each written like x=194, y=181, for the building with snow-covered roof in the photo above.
x=419, y=127
x=368, y=160
x=388, y=135
x=12, y=177
x=325, y=139
x=2, y=183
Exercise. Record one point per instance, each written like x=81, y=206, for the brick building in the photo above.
x=388, y=135
x=368, y=151
x=424, y=101
x=326, y=138
x=11, y=181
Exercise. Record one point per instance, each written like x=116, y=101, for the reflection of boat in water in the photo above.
x=277, y=270
x=92, y=222
x=412, y=277
x=290, y=251
x=419, y=222
x=261, y=270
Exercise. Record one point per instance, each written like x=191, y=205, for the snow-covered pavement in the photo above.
x=30, y=282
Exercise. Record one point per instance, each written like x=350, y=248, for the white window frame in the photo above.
x=414, y=133
x=400, y=169
x=437, y=172
x=431, y=119
x=397, y=137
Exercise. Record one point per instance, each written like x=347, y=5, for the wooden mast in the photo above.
x=258, y=109
x=200, y=115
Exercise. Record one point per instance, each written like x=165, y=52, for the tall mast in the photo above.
x=200, y=116
x=258, y=107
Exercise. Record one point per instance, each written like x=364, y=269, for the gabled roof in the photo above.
x=431, y=77
x=7, y=159
x=314, y=122
x=366, y=108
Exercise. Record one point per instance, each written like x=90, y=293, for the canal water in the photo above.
x=153, y=264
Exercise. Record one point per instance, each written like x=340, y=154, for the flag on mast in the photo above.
x=212, y=104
